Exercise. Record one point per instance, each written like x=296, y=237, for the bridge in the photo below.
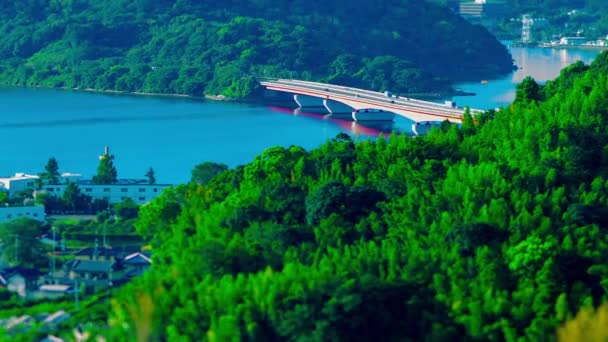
x=365, y=105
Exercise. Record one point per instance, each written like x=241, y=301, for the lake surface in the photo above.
x=172, y=135
x=542, y=64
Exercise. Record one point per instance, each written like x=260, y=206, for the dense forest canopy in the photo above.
x=215, y=47
x=494, y=230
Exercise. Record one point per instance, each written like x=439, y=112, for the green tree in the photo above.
x=21, y=244
x=151, y=176
x=126, y=209
x=528, y=91
x=51, y=173
x=204, y=172
x=73, y=199
x=106, y=172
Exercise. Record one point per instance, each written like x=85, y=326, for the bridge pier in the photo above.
x=335, y=107
x=304, y=101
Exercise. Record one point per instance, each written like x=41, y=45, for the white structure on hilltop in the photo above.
x=22, y=181
x=32, y=212
x=139, y=190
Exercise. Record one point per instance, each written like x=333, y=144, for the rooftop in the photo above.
x=55, y=287
x=92, y=266
x=18, y=270
x=19, y=176
x=122, y=182
x=137, y=259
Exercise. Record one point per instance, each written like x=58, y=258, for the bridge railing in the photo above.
x=370, y=95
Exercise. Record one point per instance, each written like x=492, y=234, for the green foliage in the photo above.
x=73, y=199
x=217, y=48
x=204, y=172
x=106, y=172
x=126, y=209
x=21, y=244
x=51, y=172
x=151, y=176
x=490, y=231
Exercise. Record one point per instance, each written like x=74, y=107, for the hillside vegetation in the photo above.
x=490, y=231
x=215, y=47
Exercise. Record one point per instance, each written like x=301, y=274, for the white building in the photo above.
x=572, y=41
x=32, y=212
x=139, y=190
x=23, y=181
x=19, y=182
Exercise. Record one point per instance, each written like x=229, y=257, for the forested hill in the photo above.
x=492, y=231
x=214, y=47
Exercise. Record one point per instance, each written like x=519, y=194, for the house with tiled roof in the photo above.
x=135, y=264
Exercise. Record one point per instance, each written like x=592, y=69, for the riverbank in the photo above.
x=546, y=45
x=221, y=98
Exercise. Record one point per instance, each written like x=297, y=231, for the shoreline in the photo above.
x=222, y=98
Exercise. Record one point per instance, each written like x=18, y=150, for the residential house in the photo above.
x=96, y=273
x=96, y=254
x=52, y=291
x=21, y=280
x=136, y=263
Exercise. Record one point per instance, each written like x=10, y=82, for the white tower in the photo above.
x=106, y=153
x=526, y=30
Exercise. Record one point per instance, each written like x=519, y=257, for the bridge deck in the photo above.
x=417, y=110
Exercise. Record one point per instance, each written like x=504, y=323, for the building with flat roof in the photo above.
x=35, y=212
x=23, y=181
x=138, y=190
x=572, y=40
x=478, y=9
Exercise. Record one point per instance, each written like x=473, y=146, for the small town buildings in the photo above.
x=96, y=274
x=21, y=280
x=106, y=254
x=52, y=291
x=56, y=318
x=23, y=181
x=476, y=9
x=35, y=212
x=138, y=190
x=573, y=41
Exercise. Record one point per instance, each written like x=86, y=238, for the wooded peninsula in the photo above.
x=219, y=47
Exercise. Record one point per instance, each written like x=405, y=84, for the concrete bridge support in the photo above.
x=304, y=101
x=335, y=107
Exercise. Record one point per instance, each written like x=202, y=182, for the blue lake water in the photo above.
x=541, y=63
x=172, y=135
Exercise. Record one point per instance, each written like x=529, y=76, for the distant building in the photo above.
x=136, y=264
x=478, y=9
x=138, y=190
x=572, y=41
x=20, y=280
x=22, y=181
x=35, y=212
x=52, y=291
